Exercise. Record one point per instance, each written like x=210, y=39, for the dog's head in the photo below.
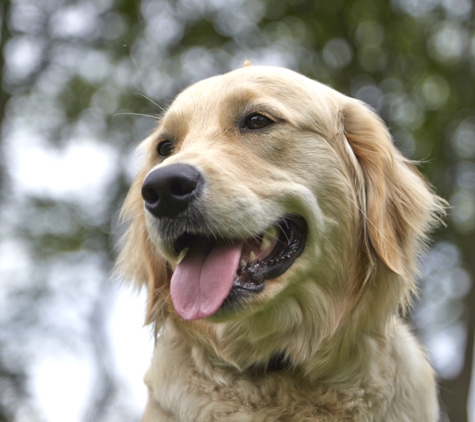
x=272, y=204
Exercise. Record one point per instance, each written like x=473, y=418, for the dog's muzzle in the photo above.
x=214, y=272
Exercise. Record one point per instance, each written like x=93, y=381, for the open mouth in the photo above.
x=214, y=273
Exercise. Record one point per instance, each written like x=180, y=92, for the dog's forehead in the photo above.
x=246, y=83
x=294, y=94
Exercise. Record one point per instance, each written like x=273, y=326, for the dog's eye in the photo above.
x=165, y=148
x=257, y=121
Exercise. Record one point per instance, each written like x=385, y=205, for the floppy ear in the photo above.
x=398, y=205
x=138, y=261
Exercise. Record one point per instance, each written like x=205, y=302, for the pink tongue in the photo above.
x=204, y=279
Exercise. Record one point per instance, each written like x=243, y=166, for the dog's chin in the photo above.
x=263, y=258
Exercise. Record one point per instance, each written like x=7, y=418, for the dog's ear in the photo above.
x=397, y=205
x=247, y=63
x=138, y=261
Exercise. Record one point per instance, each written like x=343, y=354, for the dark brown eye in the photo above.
x=165, y=148
x=257, y=121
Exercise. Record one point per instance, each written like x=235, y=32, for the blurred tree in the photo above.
x=72, y=71
x=4, y=35
x=12, y=380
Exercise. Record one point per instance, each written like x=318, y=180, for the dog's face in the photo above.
x=241, y=183
x=266, y=194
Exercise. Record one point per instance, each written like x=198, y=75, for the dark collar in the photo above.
x=278, y=362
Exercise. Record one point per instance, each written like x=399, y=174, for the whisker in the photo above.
x=136, y=114
x=153, y=102
x=285, y=234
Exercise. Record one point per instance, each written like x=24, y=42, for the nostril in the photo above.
x=182, y=187
x=150, y=195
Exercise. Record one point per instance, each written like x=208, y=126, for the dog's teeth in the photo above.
x=182, y=255
x=265, y=242
x=252, y=256
x=268, y=235
x=272, y=232
x=242, y=263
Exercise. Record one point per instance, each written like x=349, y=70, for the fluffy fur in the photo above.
x=335, y=314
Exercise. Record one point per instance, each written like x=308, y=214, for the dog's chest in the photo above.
x=178, y=388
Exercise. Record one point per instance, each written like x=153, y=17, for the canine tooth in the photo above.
x=269, y=234
x=265, y=242
x=242, y=263
x=182, y=255
x=252, y=256
x=272, y=232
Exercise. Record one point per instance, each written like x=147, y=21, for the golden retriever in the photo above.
x=277, y=228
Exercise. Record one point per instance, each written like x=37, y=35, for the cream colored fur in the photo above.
x=335, y=312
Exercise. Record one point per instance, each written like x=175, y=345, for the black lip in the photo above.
x=251, y=278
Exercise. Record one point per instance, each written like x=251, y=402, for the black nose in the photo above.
x=168, y=191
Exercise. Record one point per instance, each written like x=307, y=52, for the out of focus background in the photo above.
x=83, y=83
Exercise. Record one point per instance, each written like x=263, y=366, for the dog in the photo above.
x=276, y=229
